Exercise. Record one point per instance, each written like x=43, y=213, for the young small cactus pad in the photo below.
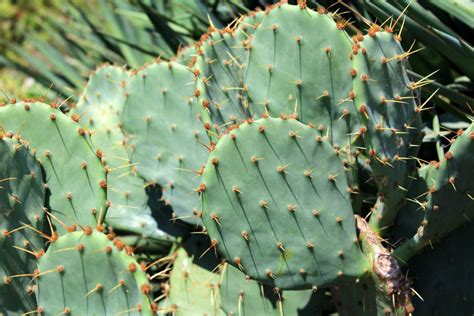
x=448, y=185
x=163, y=122
x=276, y=204
x=84, y=273
x=192, y=289
x=243, y=296
x=74, y=174
x=22, y=198
x=104, y=90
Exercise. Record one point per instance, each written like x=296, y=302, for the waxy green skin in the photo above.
x=243, y=296
x=164, y=126
x=221, y=78
x=276, y=203
x=74, y=174
x=292, y=71
x=388, y=113
x=220, y=67
x=99, y=110
x=412, y=212
x=192, y=289
x=70, y=277
x=22, y=198
x=447, y=186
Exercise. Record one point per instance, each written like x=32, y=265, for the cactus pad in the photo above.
x=162, y=120
x=84, y=273
x=390, y=119
x=276, y=204
x=192, y=290
x=243, y=296
x=220, y=67
x=292, y=71
x=99, y=109
x=74, y=175
x=448, y=185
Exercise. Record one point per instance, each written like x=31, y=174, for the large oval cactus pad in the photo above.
x=276, y=203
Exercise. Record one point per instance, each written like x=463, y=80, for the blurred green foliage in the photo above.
x=17, y=19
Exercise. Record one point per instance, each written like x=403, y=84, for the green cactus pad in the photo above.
x=449, y=186
x=187, y=56
x=74, y=175
x=276, y=203
x=22, y=199
x=192, y=289
x=386, y=106
x=293, y=72
x=98, y=110
x=104, y=90
x=162, y=121
x=84, y=273
x=452, y=186
x=243, y=296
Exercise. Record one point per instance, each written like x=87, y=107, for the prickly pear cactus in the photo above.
x=389, y=118
x=276, y=204
x=75, y=176
x=268, y=143
x=83, y=272
x=220, y=68
x=163, y=123
x=98, y=111
x=242, y=296
x=192, y=289
x=447, y=183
